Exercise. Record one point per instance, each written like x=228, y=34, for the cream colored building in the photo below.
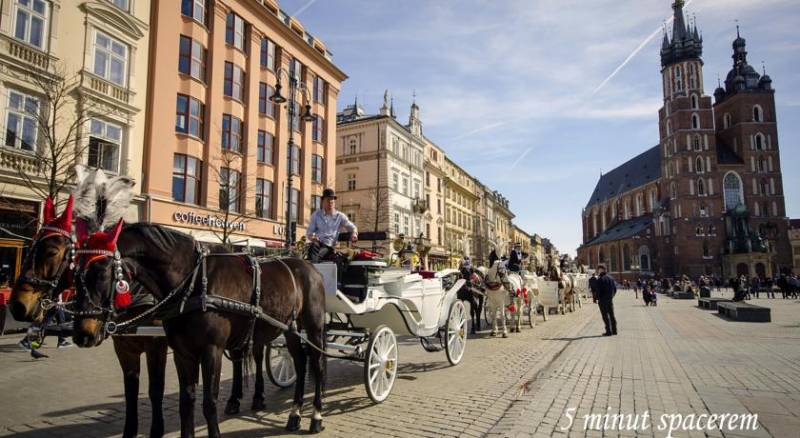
x=381, y=175
x=461, y=203
x=216, y=144
x=435, y=189
x=100, y=47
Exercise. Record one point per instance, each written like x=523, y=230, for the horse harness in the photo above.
x=180, y=301
x=46, y=232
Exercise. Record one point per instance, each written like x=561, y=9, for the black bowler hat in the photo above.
x=328, y=193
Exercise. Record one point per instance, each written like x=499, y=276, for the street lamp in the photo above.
x=307, y=116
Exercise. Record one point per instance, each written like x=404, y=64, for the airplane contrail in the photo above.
x=633, y=54
x=527, y=151
x=304, y=7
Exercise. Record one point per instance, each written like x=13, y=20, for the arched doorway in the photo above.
x=761, y=270
x=742, y=269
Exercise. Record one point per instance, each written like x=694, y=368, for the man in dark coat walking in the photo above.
x=606, y=289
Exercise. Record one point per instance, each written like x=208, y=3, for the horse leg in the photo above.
x=318, y=365
x=156, y=368
x=299, y=358
x=212, y=367
x=493, y=312
x=232, y=406
x=503, y=320
x=479, y=310
x=258, y=394
x=519, y=315
x=188, y=370
x=129, y=361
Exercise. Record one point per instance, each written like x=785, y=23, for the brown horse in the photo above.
x=193, y=288
x=45, y=274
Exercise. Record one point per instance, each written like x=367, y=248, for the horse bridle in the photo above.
x=47, y=232
x=96, y=255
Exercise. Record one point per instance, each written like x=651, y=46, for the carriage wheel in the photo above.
x=380, y=366
x=455, y=338
x=280, y=366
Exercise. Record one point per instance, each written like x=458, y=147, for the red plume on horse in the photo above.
x=63, y=222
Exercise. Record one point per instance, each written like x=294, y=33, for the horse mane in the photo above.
x=163, y=238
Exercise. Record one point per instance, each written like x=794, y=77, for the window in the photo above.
x=759, y=142
x=319, y=90
x=351, y=181
x=263, y=198
x=696, y=144
x=316, y=204
x=293, y=210
x=703, y=211
x=669, y=128
x=318, y=129
x=265, y=106
x=695, y=121
x=266, y=142
x=764, y=187
x=232, y=129
x=316, y=168
x=234, y=81
x=229, y=190
x=186, y=172
x=726, y=121
x=31, y=22
x=293, y=160
x=761, y=165
x=352, y=146
x=397, y=223
x=692, y=76
x=695, y=102
x=678, y=78
x=296, y=111
x=189, y=116
x=732, y=187
x=395, y=182
x=758, y=114
x=21, y=121
x=295, y=69
x=110, y=59
x=405, y=186
x=268, y=51
x=234, y=31
x=122, y=4
x=699, y=165
x=192, y=58
x=105, y=140
x=701, y=187
x=673, y=190
x=196, y=9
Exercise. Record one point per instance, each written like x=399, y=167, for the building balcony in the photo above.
x=106, y=88
x=29, y=56
x=16, y=161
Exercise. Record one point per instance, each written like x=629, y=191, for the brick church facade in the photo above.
x=708, y=199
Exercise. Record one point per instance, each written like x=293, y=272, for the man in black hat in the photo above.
x=515, y=259
x=324, y=226
x=606, y=288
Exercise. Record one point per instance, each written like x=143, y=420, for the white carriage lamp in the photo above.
x=307, y=116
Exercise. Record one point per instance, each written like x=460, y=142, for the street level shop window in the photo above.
x=105, y=141
x=22, y=115
x=110, y=59
x=31, y=25
x=186, y=178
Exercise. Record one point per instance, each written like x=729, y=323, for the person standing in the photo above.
x=493, y=258
x=324, y=226
x=606, y=289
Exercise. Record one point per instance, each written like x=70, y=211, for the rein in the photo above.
x=47, y=232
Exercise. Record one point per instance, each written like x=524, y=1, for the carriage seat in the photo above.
x=354, y=281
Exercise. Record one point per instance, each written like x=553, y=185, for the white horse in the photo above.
x=530, y=286
x=502, y=293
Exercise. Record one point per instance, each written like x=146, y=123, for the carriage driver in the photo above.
x=324, y=226
x=466, y=267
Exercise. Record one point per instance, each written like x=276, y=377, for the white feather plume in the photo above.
x=99, y=200
x=86, y=194
x=117, y=195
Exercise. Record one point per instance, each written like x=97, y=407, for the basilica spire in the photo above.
x=686, y=42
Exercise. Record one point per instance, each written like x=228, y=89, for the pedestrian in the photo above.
x=593, y=286
x=606, y=289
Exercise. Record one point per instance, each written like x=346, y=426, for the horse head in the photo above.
x=45, y=271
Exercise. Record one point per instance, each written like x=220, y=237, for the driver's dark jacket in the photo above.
x=606, y=287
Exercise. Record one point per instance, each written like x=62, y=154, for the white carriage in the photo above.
x=369, y=307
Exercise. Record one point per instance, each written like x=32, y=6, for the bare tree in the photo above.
x=375, y=215
x=234, y=195
x=60, y=116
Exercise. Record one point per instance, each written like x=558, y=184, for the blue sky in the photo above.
x=508, y=81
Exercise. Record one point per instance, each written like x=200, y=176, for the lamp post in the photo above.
x=307, y=116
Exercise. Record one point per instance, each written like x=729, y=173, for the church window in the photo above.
x=695, y=102
x=699, y=165
x=673, y=190
x=762, y=165
x=764, y=187
x=678, y=78
x=759, y=142
x=695, y=121
x=732, y=186
x=726, y=121
x=758, y=114
x=696, y=143
x=701, y=187
x=693, y=78
x=669, y=128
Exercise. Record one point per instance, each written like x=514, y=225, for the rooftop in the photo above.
x=637, y=171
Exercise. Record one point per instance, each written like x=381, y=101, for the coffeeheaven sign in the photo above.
x=212, y=221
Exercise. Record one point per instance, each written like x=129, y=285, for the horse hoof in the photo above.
x=258, y=404
x=505, y=335
x=316, y=426
x=494, y=334
x=232, y=407
x=293, y=425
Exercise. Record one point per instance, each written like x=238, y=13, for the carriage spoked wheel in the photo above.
x=281, y=366
x=380, y=366
x=455, y=338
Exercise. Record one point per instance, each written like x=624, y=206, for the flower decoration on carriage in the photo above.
x=103, y=244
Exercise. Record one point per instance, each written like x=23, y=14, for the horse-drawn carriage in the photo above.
x=368, y=305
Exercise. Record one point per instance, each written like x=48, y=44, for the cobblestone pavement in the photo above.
x=674, y=358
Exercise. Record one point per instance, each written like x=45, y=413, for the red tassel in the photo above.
x=512, y=308
x=123, y=300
